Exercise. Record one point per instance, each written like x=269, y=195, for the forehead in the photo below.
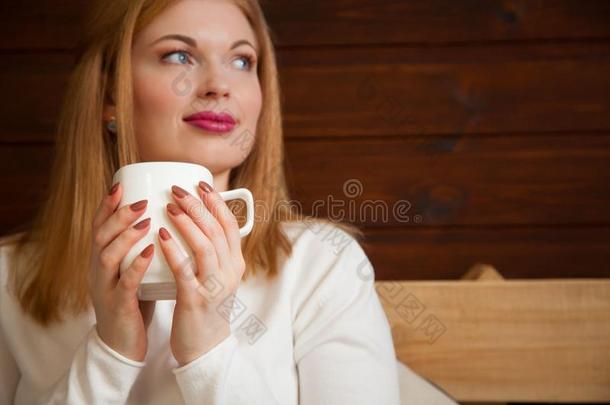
x=210, y=22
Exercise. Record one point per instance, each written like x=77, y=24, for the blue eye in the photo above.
x=178, y=52
x=184, y=57
x=248, y=59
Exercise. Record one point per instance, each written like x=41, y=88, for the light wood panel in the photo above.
x=517, y=340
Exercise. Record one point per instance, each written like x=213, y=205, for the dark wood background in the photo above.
x=489, y=120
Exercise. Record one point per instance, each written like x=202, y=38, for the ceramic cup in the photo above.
x=152, y=181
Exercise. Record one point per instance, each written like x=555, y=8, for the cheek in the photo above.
x=253, y=103
x=153, y=95
x=155, y=110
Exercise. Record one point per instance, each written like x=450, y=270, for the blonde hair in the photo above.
x=54, y=278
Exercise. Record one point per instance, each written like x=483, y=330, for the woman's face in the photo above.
x=214, y=70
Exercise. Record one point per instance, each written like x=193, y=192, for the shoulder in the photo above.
x=9, y=242
x=326, y=256
x=328, y=239
x=6, y=254
x=8, y=249
x=331, y=278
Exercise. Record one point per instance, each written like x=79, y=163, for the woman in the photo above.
x=306, y=323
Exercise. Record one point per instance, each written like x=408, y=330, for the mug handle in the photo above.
x=246, y=195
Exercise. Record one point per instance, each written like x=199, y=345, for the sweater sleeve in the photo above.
x=343, y=345
x=222, y=376
x=97, y=375
x=9, y=370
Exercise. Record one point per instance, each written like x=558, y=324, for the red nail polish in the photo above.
x=148, y=251
x=174, y=209
x=179, y=192
x=205, y=187
x=164, y=234
x=113, y=189
x=142, y=224
x=138, y=206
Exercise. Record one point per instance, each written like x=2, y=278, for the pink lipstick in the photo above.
x=211, y=121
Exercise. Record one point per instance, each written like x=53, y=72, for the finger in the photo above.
x=219, y=208
x=206, y=259
x=118, y=222
x=110, y=257
x=104, y=210
x=181, y=266
x=107, y=205
x=130, y=280
x=205, y=221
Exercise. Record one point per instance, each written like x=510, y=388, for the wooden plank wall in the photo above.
x=483, y=126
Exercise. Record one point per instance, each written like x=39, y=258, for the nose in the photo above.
x=215, y=83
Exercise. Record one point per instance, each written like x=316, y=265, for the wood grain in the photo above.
x=55, y=25
x=514, y=340
x=541, y=180
x=445, y=253
x=450, y=91
x=490, y=119
x=500, y=180
x=380, y=91
x=440, y=249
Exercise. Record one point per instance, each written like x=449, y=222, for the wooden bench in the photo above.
x=486, y=339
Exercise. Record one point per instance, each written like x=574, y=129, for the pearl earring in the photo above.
x=111, y=125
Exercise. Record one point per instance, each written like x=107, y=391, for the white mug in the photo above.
x=152, y=181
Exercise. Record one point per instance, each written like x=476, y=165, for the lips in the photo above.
x=211, y=121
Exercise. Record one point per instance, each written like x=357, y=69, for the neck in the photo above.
x=221, y=180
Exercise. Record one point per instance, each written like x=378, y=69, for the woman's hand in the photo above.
x=122, y=320
x=212, y=233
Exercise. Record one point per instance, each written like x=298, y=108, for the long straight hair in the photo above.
x=52, y=279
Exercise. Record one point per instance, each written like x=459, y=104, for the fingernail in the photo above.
x=142, y=224
x=148, y=251
x=164, y=234
x=174, y=209
x=179, y=192
x=113, y=189
x=138, y=206
x=205, y=187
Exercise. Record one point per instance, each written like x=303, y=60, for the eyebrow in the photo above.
x=190, y=41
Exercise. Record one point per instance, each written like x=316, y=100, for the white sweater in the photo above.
x=316, y=334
